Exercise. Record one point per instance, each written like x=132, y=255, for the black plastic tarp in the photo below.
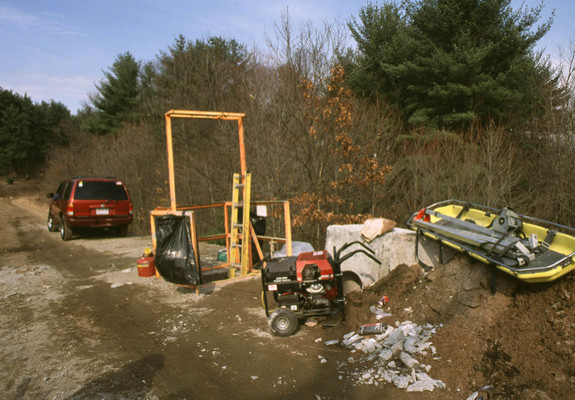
x=175, y=259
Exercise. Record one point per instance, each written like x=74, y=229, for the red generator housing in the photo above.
x=304, y=286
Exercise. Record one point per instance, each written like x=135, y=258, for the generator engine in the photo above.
x=306, y=285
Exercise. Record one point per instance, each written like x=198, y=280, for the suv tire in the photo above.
x=66, y=233
x=50, y=223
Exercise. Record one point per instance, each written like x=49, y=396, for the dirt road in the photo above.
x=76, y=322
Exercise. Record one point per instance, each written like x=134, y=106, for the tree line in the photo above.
x=436, y=100
x=28, y=131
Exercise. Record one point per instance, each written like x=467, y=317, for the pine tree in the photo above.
x=450, y=63
x=27, y=130
x=117, y=95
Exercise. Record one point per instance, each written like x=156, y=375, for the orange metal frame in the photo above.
x=199, y=115
x=174, y=210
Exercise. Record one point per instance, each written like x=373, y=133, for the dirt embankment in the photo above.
x=519, y=340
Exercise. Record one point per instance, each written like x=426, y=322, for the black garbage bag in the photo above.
x=175, y=259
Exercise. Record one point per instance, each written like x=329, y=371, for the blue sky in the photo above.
x=57, y=49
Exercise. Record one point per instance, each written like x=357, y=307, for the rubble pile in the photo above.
x=391, y=357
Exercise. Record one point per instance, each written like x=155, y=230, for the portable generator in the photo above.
x=310, y=284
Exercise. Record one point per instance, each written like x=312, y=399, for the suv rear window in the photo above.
x=100, y=190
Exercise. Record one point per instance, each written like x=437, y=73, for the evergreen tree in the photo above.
x=56, y=117
x=117, y=95
x=450, y=63
x=26, y=131
x=198, y=75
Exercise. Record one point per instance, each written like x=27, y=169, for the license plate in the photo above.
x=102, y=211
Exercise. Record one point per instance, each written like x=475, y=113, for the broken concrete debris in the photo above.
x=391, y=357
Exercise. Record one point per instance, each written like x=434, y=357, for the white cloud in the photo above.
x=43, y=22
x=16, y=17
x=71, y=91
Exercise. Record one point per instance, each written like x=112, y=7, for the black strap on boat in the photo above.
x=465, y=208
x=548, y=239
x=506, y=249
x=490, y=252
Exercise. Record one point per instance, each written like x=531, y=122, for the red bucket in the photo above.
x=146, y=267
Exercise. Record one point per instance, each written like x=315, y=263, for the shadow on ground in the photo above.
x=131, y=381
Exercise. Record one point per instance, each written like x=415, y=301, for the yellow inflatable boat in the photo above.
x=530, y=249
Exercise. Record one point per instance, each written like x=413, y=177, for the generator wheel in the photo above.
x=283, y=322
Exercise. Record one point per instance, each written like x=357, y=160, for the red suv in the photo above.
x=90, y=203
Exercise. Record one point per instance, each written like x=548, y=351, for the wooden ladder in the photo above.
x=240, y=230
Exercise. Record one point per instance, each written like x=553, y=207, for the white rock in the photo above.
x=348, y=335
x=351, y=340
x=385, y=354
x=385, y=334
x=401, y=382
x=410, y=344
x=423, y=377
x=421, y=347
x=397, y=349
x=407, y=360
x=409, y=329
x=311, y=322
x=420, y=386
x=396, y=336
x=473, y=396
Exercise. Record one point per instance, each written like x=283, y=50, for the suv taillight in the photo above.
x=70, y=209
x=131, y=208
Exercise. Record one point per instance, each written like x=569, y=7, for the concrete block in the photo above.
x=393, y=249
